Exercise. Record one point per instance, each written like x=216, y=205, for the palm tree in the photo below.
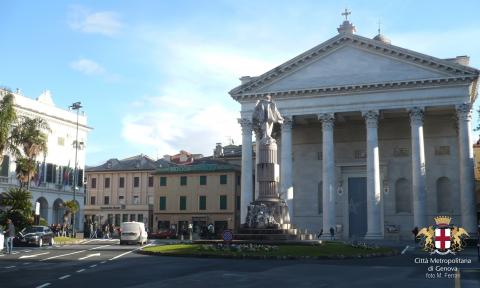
x=8, y=117
x=18, y=200
x=29, y=133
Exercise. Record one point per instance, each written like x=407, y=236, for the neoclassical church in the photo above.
x=376, y=138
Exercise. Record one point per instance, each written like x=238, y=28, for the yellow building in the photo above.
x=201, y=193
x=122, y=190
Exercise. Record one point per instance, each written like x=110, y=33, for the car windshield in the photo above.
x=32, y=230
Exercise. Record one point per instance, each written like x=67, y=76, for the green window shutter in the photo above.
x=183, y=180
x=183, y=202
x=223, y=179
x=203, y=203
x=163, y=203
x=203, y=180
x=163, y=181
x=223, y=202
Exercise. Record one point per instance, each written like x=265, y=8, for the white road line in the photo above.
x=58, y=256
x=123, y=254
x=94, y=265
x=43, y=285
x=103, y=262
x=80, y=271
x=8, y=267
x=31, y=256
x=26, y=263
x=405, y=250
x=95, y=248
x=26, y=251
x=63, y=277
x=89, y=255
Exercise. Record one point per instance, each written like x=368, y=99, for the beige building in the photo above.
x=122, y=190
x=201, y=193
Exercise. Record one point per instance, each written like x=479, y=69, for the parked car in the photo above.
x=36, y=235
x=165, y=234
x=133, y=233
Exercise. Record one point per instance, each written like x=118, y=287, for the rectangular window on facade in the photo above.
x=150, y=181
x=106, y=200
x=163, y=181
x=238, y=203
x=124, y=217
x=183, y=180
x=203, y=180
x=163, y=203
x=140, y=217
x=5, y=164
x=50, y=176
x=117, y=219
x=150, y=200
x=136, y=181
x=183, y=202
x=223, y=202
x=94, y=183
x=223, y=179
x=92, y=200
x=136, y=199
x=121, y=199
x=107, y=182
x=132, y=217
x=202, y=204
x=61, y=141
x=121, y=182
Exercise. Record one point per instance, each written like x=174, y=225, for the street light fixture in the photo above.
x=75, y=106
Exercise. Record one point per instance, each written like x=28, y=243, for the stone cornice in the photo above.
x=456, y=71
x=357, y=88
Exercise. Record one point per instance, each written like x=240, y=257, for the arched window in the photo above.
x=403, y=196
x=444, y=195
x=320, y=197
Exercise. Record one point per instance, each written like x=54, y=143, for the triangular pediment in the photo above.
x=349, y=65
x=349, y=60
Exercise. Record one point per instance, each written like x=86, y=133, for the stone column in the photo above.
x=467, y=186
x=374, y=195
x=328, y=172
x=258, y=137
x=418, y=168
x=286, y=187
x=246, y=193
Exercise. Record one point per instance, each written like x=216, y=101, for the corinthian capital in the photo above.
x=246, y=124
x=464, y=111
x=287, y=123
x=328, y=120
x=416, y=115
x=371, y=118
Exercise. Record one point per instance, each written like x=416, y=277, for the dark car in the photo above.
x=36, y=235
x=165, y=234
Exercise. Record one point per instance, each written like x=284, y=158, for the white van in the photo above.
x=133, y=232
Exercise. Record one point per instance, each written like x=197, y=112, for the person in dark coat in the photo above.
x=332, y=233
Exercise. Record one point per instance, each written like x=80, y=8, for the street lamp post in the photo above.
x=75, y=106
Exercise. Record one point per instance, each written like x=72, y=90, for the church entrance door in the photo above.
x=357, y=206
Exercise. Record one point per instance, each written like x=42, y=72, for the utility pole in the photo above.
x=75, y=106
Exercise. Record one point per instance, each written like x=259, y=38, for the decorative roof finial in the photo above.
x=346, y=27
x=379, y=26
x=346, y=13
x=380, y=37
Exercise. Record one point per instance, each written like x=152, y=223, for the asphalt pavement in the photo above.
x=105, y=263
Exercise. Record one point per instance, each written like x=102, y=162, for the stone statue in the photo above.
x=265, y=116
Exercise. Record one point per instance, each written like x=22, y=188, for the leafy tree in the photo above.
x=19, y=207
x=8, y=116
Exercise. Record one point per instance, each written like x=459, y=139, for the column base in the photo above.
x=373, y=236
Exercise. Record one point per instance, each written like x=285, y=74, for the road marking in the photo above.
x=405, y=250
x=63, y=277
x=26, y=251
x=80, y=271
x=99, y=247
x=89, y=255
x=103, y=262
x=8, y=267
x=58, y=256
x=27, y=263
x=123, y=254
x=94, y=265
x=43, y=285
x=31, y=256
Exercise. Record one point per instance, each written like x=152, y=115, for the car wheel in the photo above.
x=51, y=242
x=40, y=242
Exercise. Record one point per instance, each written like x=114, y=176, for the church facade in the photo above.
x=376, y=138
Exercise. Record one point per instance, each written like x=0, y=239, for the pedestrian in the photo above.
x=332, y=233
x=107, y=232
x=320, y=234
x=10, y=232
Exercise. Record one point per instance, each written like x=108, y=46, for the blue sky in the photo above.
x=154, y=76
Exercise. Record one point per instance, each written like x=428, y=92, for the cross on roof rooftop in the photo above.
x=346, y=13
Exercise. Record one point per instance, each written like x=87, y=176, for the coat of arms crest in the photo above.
x=443, y=238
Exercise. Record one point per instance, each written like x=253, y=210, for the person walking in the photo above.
x=10, y=232
x=332, y=233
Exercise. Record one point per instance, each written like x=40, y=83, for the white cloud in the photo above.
x=87, y=66
x=105, y=22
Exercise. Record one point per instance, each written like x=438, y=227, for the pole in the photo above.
x=75, y=106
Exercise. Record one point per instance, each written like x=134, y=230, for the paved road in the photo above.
x=107, y=264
